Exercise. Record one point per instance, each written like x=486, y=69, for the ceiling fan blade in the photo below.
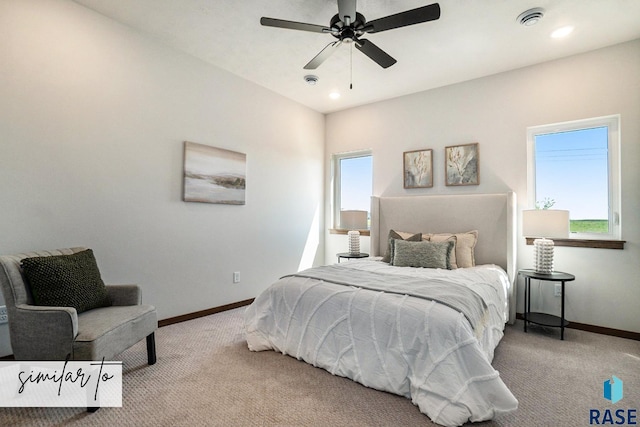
x=323, y=55
x=291, y=25
x=347, y=8
x=403, y=19
x=374, y=52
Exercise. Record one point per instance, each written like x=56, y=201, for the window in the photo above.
x=575, y=166
x=352, y=183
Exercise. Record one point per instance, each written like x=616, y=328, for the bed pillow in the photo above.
x=443, y=238
x=66, y=281
x=399, y=235
x=422, y=254
x=464, y=253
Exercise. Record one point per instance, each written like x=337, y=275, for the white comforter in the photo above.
x=410, y=346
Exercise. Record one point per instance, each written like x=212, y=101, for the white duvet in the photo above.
x=410, y=346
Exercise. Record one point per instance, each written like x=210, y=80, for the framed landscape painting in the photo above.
x=214, y=175
x=418, y=169
x=462, y=164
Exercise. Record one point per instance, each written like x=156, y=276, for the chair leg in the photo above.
x=151, y=348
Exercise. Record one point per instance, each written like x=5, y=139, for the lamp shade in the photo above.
x=353, y=220
x=550, y=223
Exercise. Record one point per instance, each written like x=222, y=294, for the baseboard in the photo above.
x=599, y=330
x=202, y=313
x=572, y=325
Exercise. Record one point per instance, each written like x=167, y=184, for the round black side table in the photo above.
x=347, y=255
x=544, y=318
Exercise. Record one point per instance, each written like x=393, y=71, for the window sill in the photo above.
x=338, y=231
x=585, y=243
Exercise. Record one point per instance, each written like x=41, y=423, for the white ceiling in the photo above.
x=471, y=39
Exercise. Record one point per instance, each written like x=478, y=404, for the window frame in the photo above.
x=335, y=178
x=612, y=123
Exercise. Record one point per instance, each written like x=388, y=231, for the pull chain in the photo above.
x=351, y=67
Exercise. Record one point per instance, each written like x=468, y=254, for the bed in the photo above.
x=428, y=334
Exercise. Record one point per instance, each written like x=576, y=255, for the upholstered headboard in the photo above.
x=493, y=215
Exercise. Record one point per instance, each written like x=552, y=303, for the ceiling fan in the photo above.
x=348, y=26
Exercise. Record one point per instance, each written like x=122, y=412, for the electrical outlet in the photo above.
x=558, y=290
x=236, y=277
x=4, y=318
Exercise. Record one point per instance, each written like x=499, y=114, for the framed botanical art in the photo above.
x=462, y=164
x=418, y=169
x=214, y=175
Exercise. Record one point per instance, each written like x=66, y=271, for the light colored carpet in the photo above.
x=206, y=376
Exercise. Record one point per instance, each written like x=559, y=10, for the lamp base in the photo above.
x=543, y=256
x=354, y=242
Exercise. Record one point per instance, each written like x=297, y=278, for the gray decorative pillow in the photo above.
x=423, y=254
x=399, y=235
x=66, y=281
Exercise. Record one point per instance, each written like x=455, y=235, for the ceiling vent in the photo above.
x=531, y=16
x=311, y=79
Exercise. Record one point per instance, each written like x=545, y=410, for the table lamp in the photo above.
x=353, y=221
x=544, y=224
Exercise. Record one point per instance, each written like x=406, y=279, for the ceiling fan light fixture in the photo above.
x=311, y=79
x=348, y=25
x=530, y=17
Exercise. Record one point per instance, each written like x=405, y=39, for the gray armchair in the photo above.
x=55, y=333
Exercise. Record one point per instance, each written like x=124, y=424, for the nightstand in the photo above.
x=543, y=318
x=347, y=255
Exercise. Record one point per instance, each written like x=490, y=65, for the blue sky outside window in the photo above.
x=356, y=183
x=572, y=169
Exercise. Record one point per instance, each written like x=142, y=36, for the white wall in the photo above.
x=495, y=111
x=92, y=121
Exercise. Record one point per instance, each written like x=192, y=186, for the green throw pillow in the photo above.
x=422, y=254
x=66, y=281
x=399, y=235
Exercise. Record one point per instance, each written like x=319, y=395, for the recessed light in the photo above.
x=334, y=95
x=562, y=32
